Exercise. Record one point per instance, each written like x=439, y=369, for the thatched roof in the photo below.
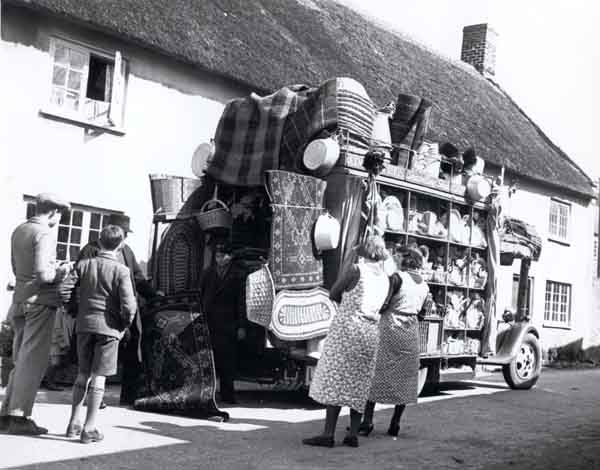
x=271, y=43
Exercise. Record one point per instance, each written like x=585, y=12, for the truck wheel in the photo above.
x=524, y=370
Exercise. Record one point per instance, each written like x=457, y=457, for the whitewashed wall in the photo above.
x=571, y=264
x=170, y=109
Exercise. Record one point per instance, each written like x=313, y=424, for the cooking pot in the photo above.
x=478, y=188
x=320, y=155
x=327, y=232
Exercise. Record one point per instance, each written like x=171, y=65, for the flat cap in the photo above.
x=50, y=199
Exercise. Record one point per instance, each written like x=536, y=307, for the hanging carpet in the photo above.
x=297, y=202
x=178, y=359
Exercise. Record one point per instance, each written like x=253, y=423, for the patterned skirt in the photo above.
x=396, y=373
x=346, y=367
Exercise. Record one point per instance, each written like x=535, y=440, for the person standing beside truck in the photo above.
x=107, y=307
x=344, y=371
x=35, y=300
x=130, y=353
x=221, y=289
x=396, y=373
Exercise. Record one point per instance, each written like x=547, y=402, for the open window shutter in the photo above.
x=118, y=92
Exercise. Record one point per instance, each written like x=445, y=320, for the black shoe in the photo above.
x=21, y=426
x=365, y=429
x=393, y=430
x=103, y=405
x=319, y=441
x=350, y=441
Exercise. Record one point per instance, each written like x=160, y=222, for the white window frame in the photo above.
x=555, y=228
x=85, y=227
x=115, y=111
x=557, y=301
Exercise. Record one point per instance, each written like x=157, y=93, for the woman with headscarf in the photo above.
x=345, y=369
x=397, y=363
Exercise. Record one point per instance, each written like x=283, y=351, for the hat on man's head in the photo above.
x=223, y=247
x=51, y=201
x=121, y=220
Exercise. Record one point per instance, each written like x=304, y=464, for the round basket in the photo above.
x=219, y=217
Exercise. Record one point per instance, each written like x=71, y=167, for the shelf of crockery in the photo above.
x=433, y=239
x=414, y=186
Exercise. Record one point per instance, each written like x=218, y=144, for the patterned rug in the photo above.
x=178, y=360
x=297, y=202
x=292, y=261
x=294, y=189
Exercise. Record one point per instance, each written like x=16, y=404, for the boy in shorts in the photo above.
x=107, y=306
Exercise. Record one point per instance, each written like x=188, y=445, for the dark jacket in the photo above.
x=223, y=298
x=107, y=302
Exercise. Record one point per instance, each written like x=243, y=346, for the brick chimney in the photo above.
x=479, y=48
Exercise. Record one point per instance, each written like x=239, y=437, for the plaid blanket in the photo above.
x=248, y=136
x=257, y=133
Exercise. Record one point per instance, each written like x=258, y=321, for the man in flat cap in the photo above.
x=35, y=300
x=130, y=354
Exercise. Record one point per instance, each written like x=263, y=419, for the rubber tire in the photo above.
x=510, y=370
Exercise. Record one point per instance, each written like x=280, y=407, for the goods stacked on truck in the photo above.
x=290, y=181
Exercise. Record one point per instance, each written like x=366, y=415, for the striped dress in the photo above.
x=397, y=364
x=344, y=372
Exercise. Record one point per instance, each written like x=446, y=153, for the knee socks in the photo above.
x=95, y=395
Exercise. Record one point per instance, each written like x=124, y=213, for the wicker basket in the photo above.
x=260, y=295
x=170, y=193
x=218, y=217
